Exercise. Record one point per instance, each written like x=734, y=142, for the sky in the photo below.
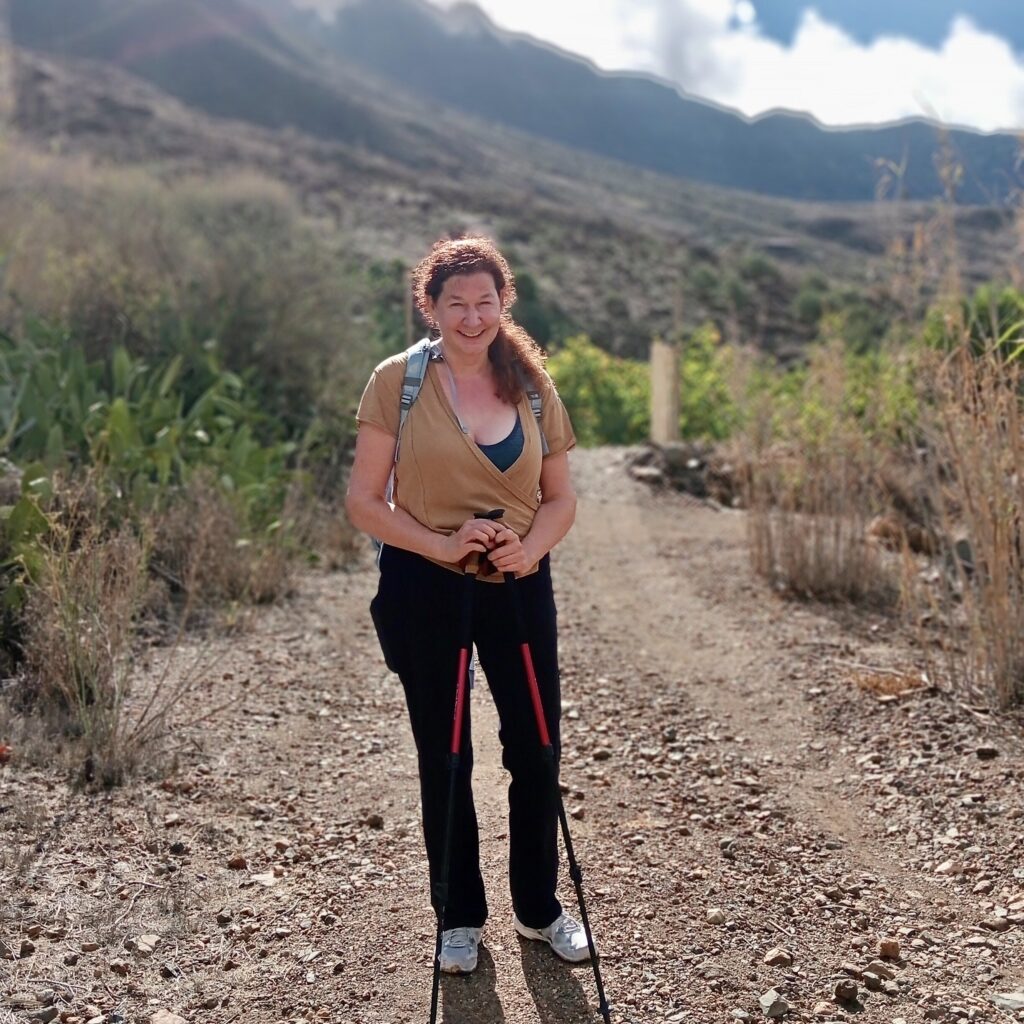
x=844, y=61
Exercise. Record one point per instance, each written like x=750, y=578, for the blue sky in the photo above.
x=927, y=21
x=843, y=61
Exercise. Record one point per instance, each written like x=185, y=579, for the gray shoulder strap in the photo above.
x=412, y=382
x=535, y=404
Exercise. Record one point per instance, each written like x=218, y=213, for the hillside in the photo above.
x=613, y=250
x=462, y=60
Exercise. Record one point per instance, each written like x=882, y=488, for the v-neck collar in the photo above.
x=481, y=458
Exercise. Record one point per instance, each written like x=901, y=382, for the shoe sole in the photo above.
x=454, y=969
x=536, y=936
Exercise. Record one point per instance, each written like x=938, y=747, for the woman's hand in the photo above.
x=474, y=535
x=507, y=554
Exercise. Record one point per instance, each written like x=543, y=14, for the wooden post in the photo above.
x=664, y=392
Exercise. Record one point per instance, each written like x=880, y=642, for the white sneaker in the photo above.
x=565, y=935
x=458, y=950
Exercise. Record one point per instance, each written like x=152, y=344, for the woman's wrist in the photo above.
x=531, y=555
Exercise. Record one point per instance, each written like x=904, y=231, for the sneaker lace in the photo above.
x=458, y=938
x=568, y=926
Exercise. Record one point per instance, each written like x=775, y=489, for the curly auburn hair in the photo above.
x=449, y=257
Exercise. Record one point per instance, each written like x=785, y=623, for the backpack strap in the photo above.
x=420, y=355
x=535, y=404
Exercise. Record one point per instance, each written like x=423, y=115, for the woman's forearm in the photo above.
x=552, y=522
x=394, y=526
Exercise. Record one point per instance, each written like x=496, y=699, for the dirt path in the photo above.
x=731, y=791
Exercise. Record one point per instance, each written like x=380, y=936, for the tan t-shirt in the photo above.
x=442, y=477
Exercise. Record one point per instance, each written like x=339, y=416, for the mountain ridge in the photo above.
x=657, y=124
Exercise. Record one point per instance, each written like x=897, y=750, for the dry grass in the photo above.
x=83, y=694
x=813, y=485
x=976, y=430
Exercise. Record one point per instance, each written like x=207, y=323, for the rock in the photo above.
x=70, y=959
x=119, y=967
x=846, y=990
x=1009, y=1000
x=647, y=475
x=166, y=1017
x=172, y=819
x=374, y=821
x=773, y=1004
x=23, y=1001
x=6, y=952
x=986, y=753
x=602, y=754
x=881, y=970
x=238, y=863
x=146, y=944
x=225, y=916
x=89, y=946
x=740, y=1015
x=778, y=957
x=872, y=982
x=822, y=1009
x=996, y=924
x=28, y=947
x=715, y=916
x=45, y=1015
x=889, y=948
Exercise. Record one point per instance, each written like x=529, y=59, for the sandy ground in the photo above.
x=747, y=816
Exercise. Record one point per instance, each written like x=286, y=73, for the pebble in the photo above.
x=773, y=1004
x=846, y=990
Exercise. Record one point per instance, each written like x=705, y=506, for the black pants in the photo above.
x=417, y=611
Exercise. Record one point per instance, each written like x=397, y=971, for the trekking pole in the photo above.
x=440, y=887
x=548, y=753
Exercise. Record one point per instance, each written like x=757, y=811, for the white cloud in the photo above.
x=714, y=48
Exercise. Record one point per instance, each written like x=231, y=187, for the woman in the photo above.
x=470, y=443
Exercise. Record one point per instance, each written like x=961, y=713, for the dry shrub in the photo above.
x=198, y=546
x=976, y=431
x=813, y=483
x=202, y=552
x=79, y=627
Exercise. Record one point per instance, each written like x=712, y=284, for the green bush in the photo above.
x=991, y=320
x=134, y=422
x=608, y=398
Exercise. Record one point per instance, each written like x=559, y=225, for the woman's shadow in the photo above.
x=552, y=983
x=472, y=999
x=558, y=996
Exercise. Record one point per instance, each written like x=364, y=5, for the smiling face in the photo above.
x=467, y=312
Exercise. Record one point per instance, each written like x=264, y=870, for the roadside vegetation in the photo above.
x=179, y=365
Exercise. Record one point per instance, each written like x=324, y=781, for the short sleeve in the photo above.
x=380, y=404
x=555, y=420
